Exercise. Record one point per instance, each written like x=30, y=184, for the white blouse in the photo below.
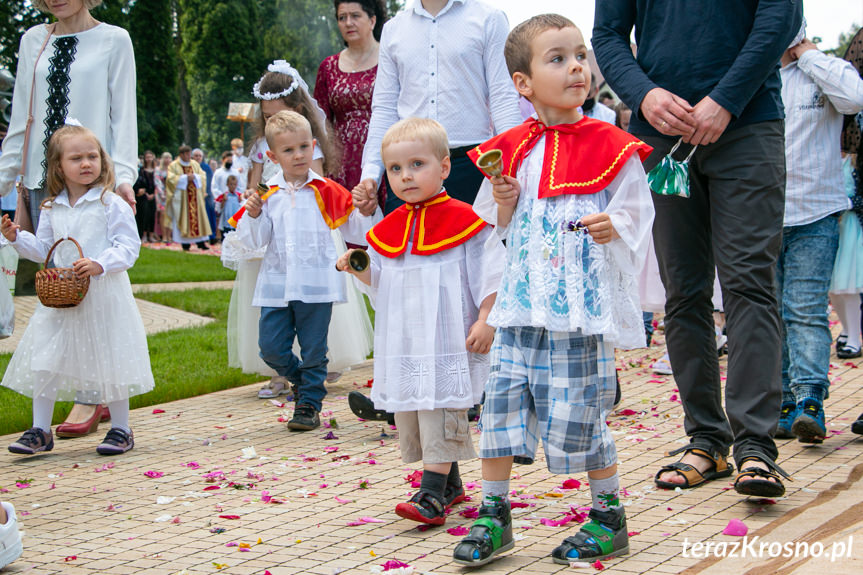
x=563, y=280
x=300, y=258
x=101, y=94
x=425, y=307
x=115, y=250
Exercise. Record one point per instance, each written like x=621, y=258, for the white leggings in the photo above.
x=43, y=413
x=847, y=307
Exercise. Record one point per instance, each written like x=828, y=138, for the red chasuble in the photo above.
x=580, y=158
x=439, y=223
x=334, y=201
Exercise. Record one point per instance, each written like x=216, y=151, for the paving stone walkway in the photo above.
x=217, y=484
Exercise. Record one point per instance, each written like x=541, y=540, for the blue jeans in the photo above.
x=210, y=205
x=647, y=316
x=803, y=274
x=310, y=323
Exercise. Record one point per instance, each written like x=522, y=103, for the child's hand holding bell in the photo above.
x=254, y=205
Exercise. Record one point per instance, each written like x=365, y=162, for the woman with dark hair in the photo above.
x=346, y=80
x=145, y=198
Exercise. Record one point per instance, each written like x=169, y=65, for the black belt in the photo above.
x=461, y=151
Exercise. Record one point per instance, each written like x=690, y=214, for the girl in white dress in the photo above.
x=97, y=350
x=350, y=333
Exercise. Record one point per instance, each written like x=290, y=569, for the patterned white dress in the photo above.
x=97, y=351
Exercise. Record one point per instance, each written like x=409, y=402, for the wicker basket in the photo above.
x=61, y=287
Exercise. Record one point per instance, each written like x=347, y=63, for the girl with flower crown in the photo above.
x=350, y=334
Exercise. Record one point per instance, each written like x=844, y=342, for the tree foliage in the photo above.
x=193, y=57
x=222, y=55
x=151, y=26
x=844, y=41
x=16, y=16
x=303, y=32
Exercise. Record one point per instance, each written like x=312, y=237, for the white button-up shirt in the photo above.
x=817, y=90
x=450, y=68
x=300, y=259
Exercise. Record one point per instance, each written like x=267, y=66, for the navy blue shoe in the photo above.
x=787, y=415
x=809, y=426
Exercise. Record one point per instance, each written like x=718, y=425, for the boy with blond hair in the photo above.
x=298, y=283
x=576, y=235
x=434, y=269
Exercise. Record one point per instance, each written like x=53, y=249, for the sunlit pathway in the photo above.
x=216, y=484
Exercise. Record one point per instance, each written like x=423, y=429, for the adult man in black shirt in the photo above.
x=707, y=72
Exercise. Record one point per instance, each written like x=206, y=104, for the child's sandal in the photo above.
x=424, y=507
x=761, y=486
x=691, y=476
x=605, y=536
x=490, y=535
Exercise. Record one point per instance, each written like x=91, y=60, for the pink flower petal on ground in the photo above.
x=673, y=397
x=175, y=520
x=735, y=527
x=393, y=564
x=627, y=412
x=191, y=465
x=331, y=435
x=367, y=519
x=469, y=512
x=158, y=411
x=598, y=565
x=415, y=476
x=571, y=484
x=471, y=485
x=212, y=487
x=154, y=474
x=231, y=544
x=458, y=531
x=331, y=449
x=340, y=500
x=557, y=522
x=229, y=516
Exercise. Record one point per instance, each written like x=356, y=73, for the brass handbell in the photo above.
x=490, y=163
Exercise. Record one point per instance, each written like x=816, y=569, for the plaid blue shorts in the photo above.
x=555, y=385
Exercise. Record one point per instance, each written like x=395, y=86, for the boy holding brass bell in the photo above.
x=297, y=285
x=434, y=269
x=572, y=203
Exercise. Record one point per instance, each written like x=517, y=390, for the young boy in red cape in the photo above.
x=574, y=208
x=298, y=283
x=434, y=269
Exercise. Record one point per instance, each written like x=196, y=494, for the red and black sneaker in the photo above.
x=423, y=507
x=453, y=494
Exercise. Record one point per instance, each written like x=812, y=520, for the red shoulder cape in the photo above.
x=580, y=158
x=439, y=223
x=334, y=201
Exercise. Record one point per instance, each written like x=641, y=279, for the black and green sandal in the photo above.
x=490, y=535
x=605, y=536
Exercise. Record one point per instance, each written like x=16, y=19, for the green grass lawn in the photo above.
x=166, y=266
x=185, y=362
